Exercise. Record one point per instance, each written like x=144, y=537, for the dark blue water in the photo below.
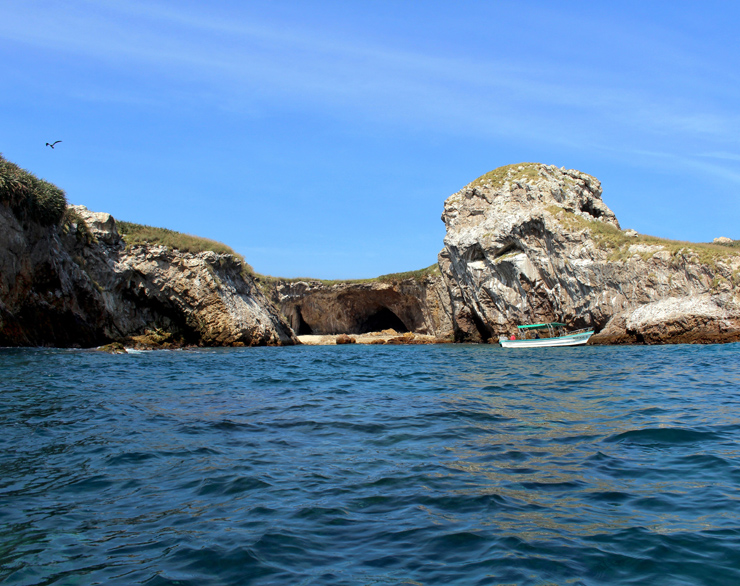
x=371, y=465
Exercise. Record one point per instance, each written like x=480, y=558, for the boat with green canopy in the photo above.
x=545, y=335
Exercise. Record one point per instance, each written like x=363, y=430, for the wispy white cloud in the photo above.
x=649, y=104
x=708, y=169
x=250, y=64
x=721, y=156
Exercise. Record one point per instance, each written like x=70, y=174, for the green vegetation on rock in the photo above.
x=82, y=231
x=733, y=244
x=29, y=197
x=610, y=238
x=499, y=176
x=418, y=275
x=140, y=234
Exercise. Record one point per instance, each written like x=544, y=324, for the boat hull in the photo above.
x=570, y=340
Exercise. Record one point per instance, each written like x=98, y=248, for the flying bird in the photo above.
x=53, y=143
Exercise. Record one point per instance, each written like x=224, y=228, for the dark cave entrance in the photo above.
x=589, y=208
x=162, y=316
x=383, y=319
x=303, y=328
x=483, y=331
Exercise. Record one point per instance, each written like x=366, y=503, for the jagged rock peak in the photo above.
x=527, y=186
x=100, y=224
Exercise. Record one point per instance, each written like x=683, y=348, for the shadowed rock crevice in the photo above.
x=160, y=315
x=419, y=305
x=511, y=248
x=302, y=328
x=591, y=210
x=383, y=319
x=475, y=254
x=483, y=331
x=299, y=325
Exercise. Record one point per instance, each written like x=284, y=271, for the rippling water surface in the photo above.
x=371, y=465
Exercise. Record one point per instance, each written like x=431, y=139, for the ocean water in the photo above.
x=418, y=465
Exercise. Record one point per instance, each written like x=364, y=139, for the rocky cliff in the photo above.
x=77, y=283
x=406, y=303
x=533, y=243
x=525, y=243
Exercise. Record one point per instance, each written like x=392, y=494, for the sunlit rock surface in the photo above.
x=81, y=286
x=533, y=243
x=684, y=320
x=525, y=243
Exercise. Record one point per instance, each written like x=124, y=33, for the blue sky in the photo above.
x=321, y=138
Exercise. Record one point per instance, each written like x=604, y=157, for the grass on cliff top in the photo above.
x=610, y=238
x=499, y=176
x=29, y=197
x=418, y=275
x=141, y=234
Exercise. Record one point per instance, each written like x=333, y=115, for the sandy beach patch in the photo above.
x=384, y=337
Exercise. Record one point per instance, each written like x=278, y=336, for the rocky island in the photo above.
x=524, y=243
x=533, y=243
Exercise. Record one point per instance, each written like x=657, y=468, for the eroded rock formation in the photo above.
x=81, y=286
x=525, y=243
x=533, y=243
x=703, y=319
x=418, y=305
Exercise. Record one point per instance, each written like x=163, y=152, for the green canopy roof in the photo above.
x=554, y=324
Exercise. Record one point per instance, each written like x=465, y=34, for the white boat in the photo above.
x=545, y=336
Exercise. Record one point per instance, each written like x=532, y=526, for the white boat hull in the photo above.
x=570, y=340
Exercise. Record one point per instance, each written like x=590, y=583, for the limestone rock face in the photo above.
x=406, y=305
x=45, y=296
x=683, y=320
x=81, y=286
x=100, y=224
x=533, y=243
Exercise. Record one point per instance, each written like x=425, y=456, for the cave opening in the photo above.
x=483, y=331
x=303, y=328
x=383, y=319
x=589, y=208
x=511, y=248
x=475, y=253
x=162, y=316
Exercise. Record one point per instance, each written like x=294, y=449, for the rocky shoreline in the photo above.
x=524, y=243
x=373, y=338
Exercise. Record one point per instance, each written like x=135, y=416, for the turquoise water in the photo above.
x=374, y=465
